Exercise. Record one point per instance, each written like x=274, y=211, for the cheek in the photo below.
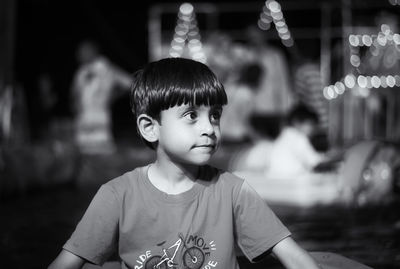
x=177, y=135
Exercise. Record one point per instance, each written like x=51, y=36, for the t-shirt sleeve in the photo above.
x=95, y=237
x=258, y=229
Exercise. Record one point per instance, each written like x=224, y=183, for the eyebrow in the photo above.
x=185, y=107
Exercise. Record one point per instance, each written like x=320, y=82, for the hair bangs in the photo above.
x=196, y=94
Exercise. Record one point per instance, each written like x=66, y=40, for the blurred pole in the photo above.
x=7, y=28
x=397, y=119
x=325, y=60
x=154, y=33
x=367, y=121
x=391, y=106
x=325, y=43
x=346, y=31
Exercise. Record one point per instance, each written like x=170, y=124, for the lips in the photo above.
x=211, y=146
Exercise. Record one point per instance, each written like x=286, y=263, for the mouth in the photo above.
x=206, y=146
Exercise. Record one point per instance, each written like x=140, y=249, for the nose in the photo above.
x=207, y=128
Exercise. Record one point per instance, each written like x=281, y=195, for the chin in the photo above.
x=200, y=160
x=202, y=163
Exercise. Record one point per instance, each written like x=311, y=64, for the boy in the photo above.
x=178, y=212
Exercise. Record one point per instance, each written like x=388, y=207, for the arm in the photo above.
x=67, y=260
x=292, y=256
x=95, y=237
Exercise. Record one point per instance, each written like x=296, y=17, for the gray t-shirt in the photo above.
x=196, y=229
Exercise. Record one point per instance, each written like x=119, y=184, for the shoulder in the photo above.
x=229, y=178
x=126, y=182
x=217, y=175
x=224, y=181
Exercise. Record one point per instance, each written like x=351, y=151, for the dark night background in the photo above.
x=47, y=34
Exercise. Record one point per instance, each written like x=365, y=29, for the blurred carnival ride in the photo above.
x=363, y=174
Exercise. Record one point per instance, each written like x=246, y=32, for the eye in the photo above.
x=190, y=115
x=216, y=115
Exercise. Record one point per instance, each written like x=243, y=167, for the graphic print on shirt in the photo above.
x=191, y=252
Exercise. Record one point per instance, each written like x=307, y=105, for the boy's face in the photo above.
x=189, y=134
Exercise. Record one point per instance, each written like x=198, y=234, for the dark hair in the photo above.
x=172, y=82
x=302, y=113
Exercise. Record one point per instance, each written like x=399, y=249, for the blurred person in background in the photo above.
x=283, y=169
x=292, y=154
x=275, y=97
x=94, y=88
x=289, y=155
x=242, y=95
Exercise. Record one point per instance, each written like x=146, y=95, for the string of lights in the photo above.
x=272, y=13
x=187, y=34
x=363, y=83
x=375, y=43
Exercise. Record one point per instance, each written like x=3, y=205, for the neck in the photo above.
x=175, y=172
x=171, y=177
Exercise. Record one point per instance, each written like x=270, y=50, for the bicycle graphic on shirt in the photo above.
x=193, y=257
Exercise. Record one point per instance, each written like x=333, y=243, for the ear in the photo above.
x=148, y=127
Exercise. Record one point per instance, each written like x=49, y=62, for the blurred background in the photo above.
x=66, y=126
